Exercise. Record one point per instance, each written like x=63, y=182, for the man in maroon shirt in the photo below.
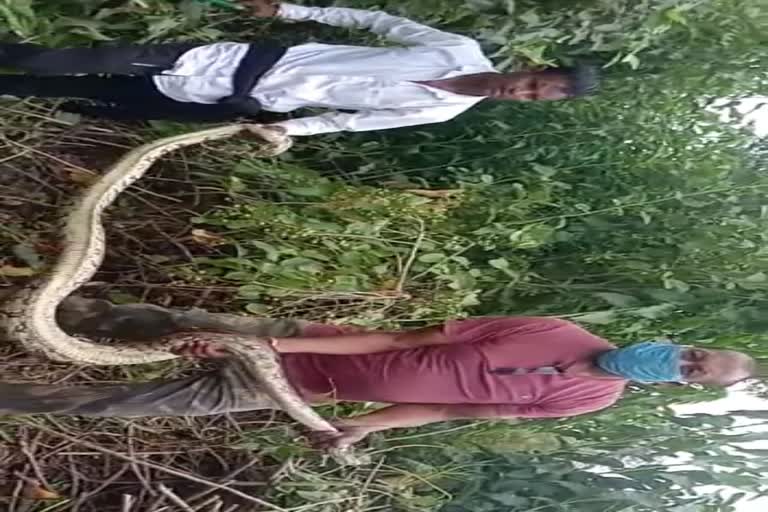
x=491, y=367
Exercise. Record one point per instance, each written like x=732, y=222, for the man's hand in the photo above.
x=275, y=128
x=254, y=129
x=274, y=135
x=347, y=435
x=262, y=8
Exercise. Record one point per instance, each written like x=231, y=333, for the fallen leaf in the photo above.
x=11, y=271
x=206, y=238
x=81, y=176
x=31, y=489
x=37, y=492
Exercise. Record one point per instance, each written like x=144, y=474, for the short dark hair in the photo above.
x=583, y=78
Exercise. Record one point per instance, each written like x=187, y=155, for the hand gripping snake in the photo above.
x=30, y=315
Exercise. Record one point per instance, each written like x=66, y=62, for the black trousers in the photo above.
x=127, y=93
x=122, y=59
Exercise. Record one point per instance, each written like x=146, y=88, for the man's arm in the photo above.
x=395, y=28
x=367, y=120
x=356, y=428
x=363, y=343
x=470, y=330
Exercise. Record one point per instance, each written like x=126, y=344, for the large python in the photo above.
x=29, y=317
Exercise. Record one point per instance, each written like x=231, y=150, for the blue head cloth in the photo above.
x=649, y=361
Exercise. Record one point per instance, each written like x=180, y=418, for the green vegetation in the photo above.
x=635, y=212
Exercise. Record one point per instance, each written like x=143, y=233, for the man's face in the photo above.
x=531, y=86
x=714, y=367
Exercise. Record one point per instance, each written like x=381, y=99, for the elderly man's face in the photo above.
x=715, y=367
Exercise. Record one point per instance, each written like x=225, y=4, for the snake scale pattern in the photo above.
x=29, y=317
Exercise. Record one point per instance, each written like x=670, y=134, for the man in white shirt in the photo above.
x=430, y=76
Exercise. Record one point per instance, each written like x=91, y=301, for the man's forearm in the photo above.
x=416, y=415
x=345, y=344
x=362, y=343
x=395, y=28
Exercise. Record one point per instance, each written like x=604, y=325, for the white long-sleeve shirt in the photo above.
x=376, y=82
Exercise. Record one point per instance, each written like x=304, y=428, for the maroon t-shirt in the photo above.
x=461, y=372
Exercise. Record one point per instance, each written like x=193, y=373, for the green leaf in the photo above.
x=432, y=257
x=319, y=190
x=28, y=255
x=83, y=26
x=509, y=499
x=653, y=312
x=251, y=291
x=256, y=308
x=161, y=25
x=272, y=252
x=469, y=300
x=597, y=317
x=346, y=283
x=15, y=21
x=312, y=253
x=530, y=18
x=545, y=171
x=617, y=299
x=499, y=263
x=632, y=60
x=676, y=284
